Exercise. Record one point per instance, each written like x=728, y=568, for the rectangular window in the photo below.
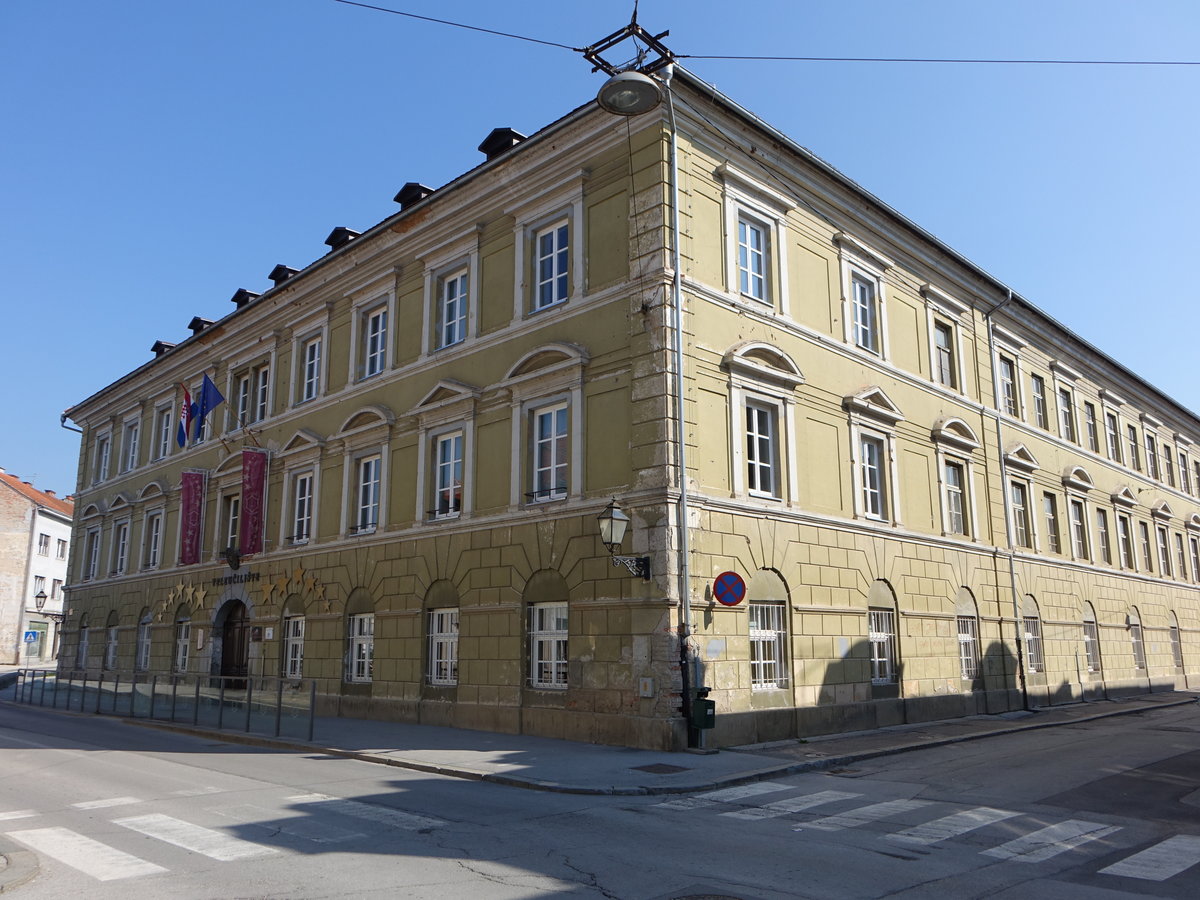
x=1135, y=461
x=183, y=641
x=1079, y=536
x=944, y=370
x=1168, y=464
x=1050, y=507
x=1089, y=424
x=752, y=259
x=231, y=511
x=100, y=471
x=61, y=551
x=1020, y=514
x=1151, y=456
x=374, y=347
x=81, y=650
x=56, y=588
x=362, y=647
x=1164, y=552
x=1181, y=557
x=1102, y=538
x=452, y=310
x=443, y=646
x=866, y=314
x=129, y=447
x=293, y=647
x=551, y=451
x=1139, y=646
x=43, y=545
x=1066, y=416
x=1040, y=417
x=552, y=252
x=302, y=498
x=121, y=548
x=39, y=584
x=968, y=648
x=1112, y=434
x=366, y=514
x=110, y=647
x=448, y=449
x=1147, y=557
x=1033, y=644
x=881, y=632
x=91, y=558
x=1196, y=475
x=311, y=373
x=1125, y=541
x=1008, y=387
x=162, y=432
x=1185, y=481
x=1091, y=645
x=1176, y=647
x=1194, y=545
x=548, y=645
x=768, y=645
x=153, y=539
x=761, y=451
x=142, y=660
x=873, y=477
x=955, y=481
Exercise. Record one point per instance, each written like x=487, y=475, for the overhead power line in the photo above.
x=518, y=37
x=993, y=62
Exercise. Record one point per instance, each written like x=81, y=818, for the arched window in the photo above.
x=142, y=660
x=967, y=618
x=183, y=639
x=112, y=633
x=1138, y=645
x=1035, y=660
x=441, y=604
x=81, y=648
x=293, y=638
x=1091, y=638
x=1176, y=642
x=881, y=633
x=767, y=596
x=360, y=635
x=549, y=623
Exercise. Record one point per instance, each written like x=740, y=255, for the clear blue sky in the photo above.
x=159, y=155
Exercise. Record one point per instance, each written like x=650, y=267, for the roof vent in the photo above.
x=340, y=237
x=500, y=140
x=412, y=192
x=198, y=324
x=161, y=347
x=282, y=273
x=242, y=297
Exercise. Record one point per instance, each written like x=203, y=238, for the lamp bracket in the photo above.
x=653, y=42
x=638, y=566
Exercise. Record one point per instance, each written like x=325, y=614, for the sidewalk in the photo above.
x=570, y=767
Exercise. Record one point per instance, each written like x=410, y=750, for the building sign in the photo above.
x=239, y=578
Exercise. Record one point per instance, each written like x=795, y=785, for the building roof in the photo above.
x=45, y=499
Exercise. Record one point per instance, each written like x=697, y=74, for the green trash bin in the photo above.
x=704, y=713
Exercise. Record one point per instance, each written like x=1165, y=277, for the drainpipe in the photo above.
x=1008, y=525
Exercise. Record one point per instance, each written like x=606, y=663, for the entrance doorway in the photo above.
x=235, y=645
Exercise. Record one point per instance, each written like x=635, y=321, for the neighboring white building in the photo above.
x=35, y=540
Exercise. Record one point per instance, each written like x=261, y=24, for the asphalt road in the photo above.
x=97, y=808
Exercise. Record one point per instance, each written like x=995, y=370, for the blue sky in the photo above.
x=157, y=156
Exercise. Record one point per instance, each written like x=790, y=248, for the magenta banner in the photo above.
x=191, y=527
x=254, y=489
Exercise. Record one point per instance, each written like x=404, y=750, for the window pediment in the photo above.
x=853, y=247
x=153, y=489
x=367, y=417
x=548, y=357
x=446, y=391
x=873, y=403
x=231, y=463
x=753, y=189
x=1123, y=496
x=118, y=501
x=1162, y=510
x=759, y=361
x=302, y=440
x=952, y=430
x=92, y=510
x=1020, y=457
x=1194, y=521
x=1078, y=477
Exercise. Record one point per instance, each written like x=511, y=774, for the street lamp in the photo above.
x=39, y=600
x=613, y=524
x=629, y=94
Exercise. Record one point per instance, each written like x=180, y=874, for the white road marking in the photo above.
x=794, y=805
x=381, y=815
x=17, y=814
x=952, y=826
x=864, y=814
x=300, y=826
x=102, y=804
x=205, y=841
x=1050, y=841
x=1160, y=862
x=725, y=795
x=196, y=792
x=93, y=858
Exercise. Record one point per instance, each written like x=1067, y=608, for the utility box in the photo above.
x=704, y=713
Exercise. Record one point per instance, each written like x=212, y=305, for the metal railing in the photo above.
x=254, y=705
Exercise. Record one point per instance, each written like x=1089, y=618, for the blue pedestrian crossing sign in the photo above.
x=31, y=637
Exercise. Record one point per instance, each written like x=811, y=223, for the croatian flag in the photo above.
x=186, y=411
x=210, y=398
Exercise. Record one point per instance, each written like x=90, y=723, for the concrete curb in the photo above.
x=20, y=867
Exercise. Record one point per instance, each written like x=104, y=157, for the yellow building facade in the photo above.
x=941, y=501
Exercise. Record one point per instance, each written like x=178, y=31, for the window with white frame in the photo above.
x=129, y=446
x=100, y=459
x=1089, y=427
x=362, y=647
x=1181, y=556
x=1137, y=644
x=1151, y=456
x=954, y=483
x=1009, y=400
x=293, y=646
x=1164, y=551
x=1050, y=508
x=81, y=647
x=1091, y=640
x=1185, y=481
x=56, y=588
x=548, y=645
x=1019, y=499
x=1066, y=416
x=142, y=658
x=39, y=584
x=120, y=547
x=110, y=647
x=183, y=643
x=1040, y=417
x=374, y=341
x=755, y=228
x=873, y=475
x=252, y=389
x=1079, y=533
x=162, y=432
x=1112, y=435
x=865, y=310
x=152, y=540
x=1196, y=474
x=310, y=369
x=1147, y=552
x=551, y=449
x=302, y=507
x=43, y=548
x=1176, y=643
x=1033, y=644
x=945, y=369
x=768, y=646
x=443, y=646
x=61, y=550
x=231, y=514
x=91, y=556
x=1103, y=541
x=1194, y=546
x=968, y=648
x=762, y=449
x=752, y=258
x=1125, y=541
x=881, y=632
x=1168, y=464
x=448, y=475
x=552, y=265
x=1135, y=459
x=366, y=495
x=451, y=319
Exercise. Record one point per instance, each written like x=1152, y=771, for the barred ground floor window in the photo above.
x=293, y=647
x=362, y=647
x=968, y=648
x=443, y=646
x=768, y=642
x=548, y=645
x=1035, y=661
x=882, y=635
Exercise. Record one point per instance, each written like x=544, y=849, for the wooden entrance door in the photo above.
x=235, y=645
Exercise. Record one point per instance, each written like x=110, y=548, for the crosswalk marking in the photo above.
x=91, y=857
x=865, y=814
x=1050, y=841
x=299, y=826
x=17, y=814
x=725, y=795
x=794, y=805
x=381, y=815
x=196, y=792
x=952, y=826
x=102, y=804
x=1160, y=862
x=205, y=841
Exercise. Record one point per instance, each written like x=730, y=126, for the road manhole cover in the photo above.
x=661, y=769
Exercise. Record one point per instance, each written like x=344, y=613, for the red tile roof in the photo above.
x=41, y=498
